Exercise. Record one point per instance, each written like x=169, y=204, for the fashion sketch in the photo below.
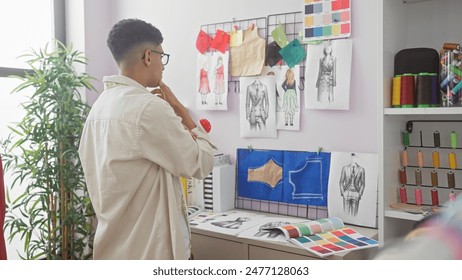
x=212, y=81
x=259, y=108
x=204, y=86
x=257, y=105
x=326, y=76
x=352, y=184
x=235, y=224
x=287, y=95
x=269, y=231
x=352, y=189
x=290, y=105
x=219, y=88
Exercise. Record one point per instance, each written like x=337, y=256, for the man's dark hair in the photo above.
x=129, y=33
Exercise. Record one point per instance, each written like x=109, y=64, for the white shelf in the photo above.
x=390, y=213
x=424, y=111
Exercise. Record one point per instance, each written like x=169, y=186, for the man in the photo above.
x=134, y=146
x=352, y=184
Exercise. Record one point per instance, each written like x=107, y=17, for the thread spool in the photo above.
x=407, y=90
x=436, y=159
x=452, y=160
x=402, y=176
x=405, y=138
x=423, y=90
x=451, y=180
x=404, y=158
x=436, y=139
x=457, y=88
x=403, y=194
x=452, y=196
x=451, y=46
x=453, y=137
x=418, y=196
x=418, y=177
x=435, y=98
x=434, y=194
x=396, y=93
x=434, y=177
x=420, y=159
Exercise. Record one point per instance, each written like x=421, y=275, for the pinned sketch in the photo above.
x=327, y=75
x=260, y=174
x=258, y=107
x=287, y=96
x=353, y=188
x=233, y=223
x=306, y=177
x=212, y=89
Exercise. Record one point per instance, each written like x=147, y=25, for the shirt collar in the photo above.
x=120, y=80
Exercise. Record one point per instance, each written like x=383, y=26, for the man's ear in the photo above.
x=147, y=57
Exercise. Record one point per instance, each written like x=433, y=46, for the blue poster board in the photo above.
x=283, y=176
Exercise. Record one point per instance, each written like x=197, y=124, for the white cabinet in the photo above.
x=407, y=24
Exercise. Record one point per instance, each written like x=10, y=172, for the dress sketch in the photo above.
x=290, y=104
x=219, y=87
x=204, y=87
x=236, y=224
x=352, y=184
x=327, y=76
x=257, y=105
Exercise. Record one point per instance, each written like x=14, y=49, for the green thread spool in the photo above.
x=405, y=137
x=453, y=140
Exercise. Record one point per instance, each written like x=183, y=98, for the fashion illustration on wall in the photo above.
x=258, y=106
x=327, y=75
x=212, y=69
x=352, y=190
x=287, y=96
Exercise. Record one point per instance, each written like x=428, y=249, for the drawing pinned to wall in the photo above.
x=306, y=177
x=328, y=19
x=260, y=174
x=287, y=96
x=353, y=188
x=327, y=75
x=258, y=107
x=212, y=69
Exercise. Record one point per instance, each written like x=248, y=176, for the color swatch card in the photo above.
x=325, y=237
x=333, y=242
x=326, y=19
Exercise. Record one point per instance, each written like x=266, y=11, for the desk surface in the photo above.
x=287, y=246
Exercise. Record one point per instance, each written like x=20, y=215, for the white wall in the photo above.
x=179, y=21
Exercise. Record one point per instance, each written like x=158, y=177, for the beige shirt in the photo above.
x=133, y=150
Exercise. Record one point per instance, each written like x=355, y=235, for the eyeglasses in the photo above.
x=164, y=57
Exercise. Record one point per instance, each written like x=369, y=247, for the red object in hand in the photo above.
x=206, y=125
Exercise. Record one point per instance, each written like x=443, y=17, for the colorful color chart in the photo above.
x=326, y=19
x=311, y=227
x=332, y=242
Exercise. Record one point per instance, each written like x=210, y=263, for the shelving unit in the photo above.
x=407, y=24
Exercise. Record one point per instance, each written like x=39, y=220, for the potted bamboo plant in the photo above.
x=53, y=214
